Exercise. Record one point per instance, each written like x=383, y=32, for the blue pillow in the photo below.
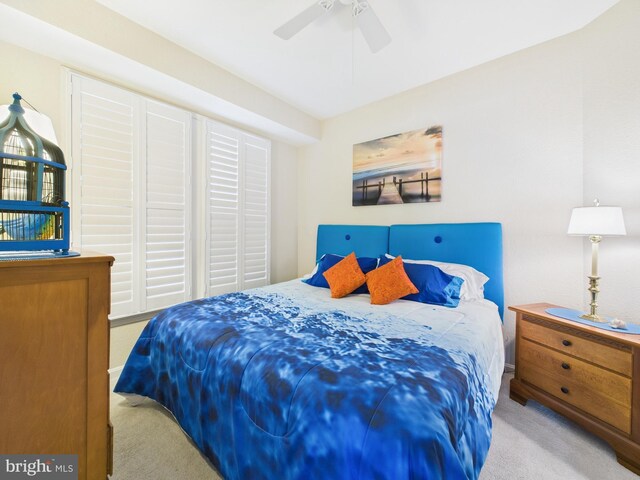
x=434, y=286
x=329, y=260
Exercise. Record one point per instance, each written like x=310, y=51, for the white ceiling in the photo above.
x=327, y=69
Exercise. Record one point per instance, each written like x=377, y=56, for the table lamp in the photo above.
x=596, y=222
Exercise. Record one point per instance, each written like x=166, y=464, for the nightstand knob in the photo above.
x=566, y=366
x=566, y=343
x=564, y=390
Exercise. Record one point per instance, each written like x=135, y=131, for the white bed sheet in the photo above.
x=473, y=327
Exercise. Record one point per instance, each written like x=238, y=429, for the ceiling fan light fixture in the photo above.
x=358, y=7
x=326, y=4
x=304, y=18
x=372, y=29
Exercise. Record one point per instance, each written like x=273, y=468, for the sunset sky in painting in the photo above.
x=409, y=147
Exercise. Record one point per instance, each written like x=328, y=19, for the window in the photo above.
x=237, y=244
x=130, y=174
x=103, y=149
x=132, y=191
x=166, y=242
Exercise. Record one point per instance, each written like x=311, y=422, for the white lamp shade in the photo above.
x=39, y=122
x=596, y=221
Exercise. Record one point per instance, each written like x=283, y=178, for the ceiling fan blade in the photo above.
x=372, y=29
x=303, y=19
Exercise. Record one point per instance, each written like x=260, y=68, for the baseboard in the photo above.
x=114, y=375
x=141, y=317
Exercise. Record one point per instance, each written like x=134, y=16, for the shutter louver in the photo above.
x=256, y=211
x=224, y=209
x=166, y=261
x=238, y=203
x=103, y=149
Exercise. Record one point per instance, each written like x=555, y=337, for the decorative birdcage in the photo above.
x=34, y=215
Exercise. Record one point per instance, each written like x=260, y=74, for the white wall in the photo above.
x=523, y=144
x=611, y=48
x=284, y=208
x=36, y=78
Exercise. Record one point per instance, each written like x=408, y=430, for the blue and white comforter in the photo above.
x=286, y=383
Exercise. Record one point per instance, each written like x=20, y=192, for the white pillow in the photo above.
x=473, y=285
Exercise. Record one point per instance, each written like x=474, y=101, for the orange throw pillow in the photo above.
x=389, y=282
x=345, y=276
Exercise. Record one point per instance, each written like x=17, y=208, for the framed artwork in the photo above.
x=402, y=168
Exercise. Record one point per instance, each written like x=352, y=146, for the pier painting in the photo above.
x=402, y=168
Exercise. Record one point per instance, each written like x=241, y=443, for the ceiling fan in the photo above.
x=372, y=29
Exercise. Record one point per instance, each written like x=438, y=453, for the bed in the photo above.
x=283, y=382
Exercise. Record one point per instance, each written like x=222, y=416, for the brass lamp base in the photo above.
x=594, y=290
x=594, y=318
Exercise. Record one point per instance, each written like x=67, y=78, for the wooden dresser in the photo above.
x=54, y=356
x=589, y=375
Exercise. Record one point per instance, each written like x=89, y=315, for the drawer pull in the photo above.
x=566, y=366
x=566, y=343
x=564, y=390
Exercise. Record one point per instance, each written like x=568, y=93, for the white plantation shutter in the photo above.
x=223, y=198
x=256, y=212
x=104, y=147
x=168, y=153
x=131, y=198
x=130, y=193
x=237, y=247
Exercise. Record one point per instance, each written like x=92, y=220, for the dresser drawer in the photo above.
x=579, y=395
x=615, y=387
x=574, y=343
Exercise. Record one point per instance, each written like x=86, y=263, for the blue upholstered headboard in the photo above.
x=365, y=240
x=478, y=245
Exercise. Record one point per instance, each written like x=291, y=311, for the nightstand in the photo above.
x=589, y=375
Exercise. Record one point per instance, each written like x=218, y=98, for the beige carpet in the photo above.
x=529, y=442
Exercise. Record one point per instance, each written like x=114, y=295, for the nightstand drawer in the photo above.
x=581, y=396
x=576, y=344
x=612, y=385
